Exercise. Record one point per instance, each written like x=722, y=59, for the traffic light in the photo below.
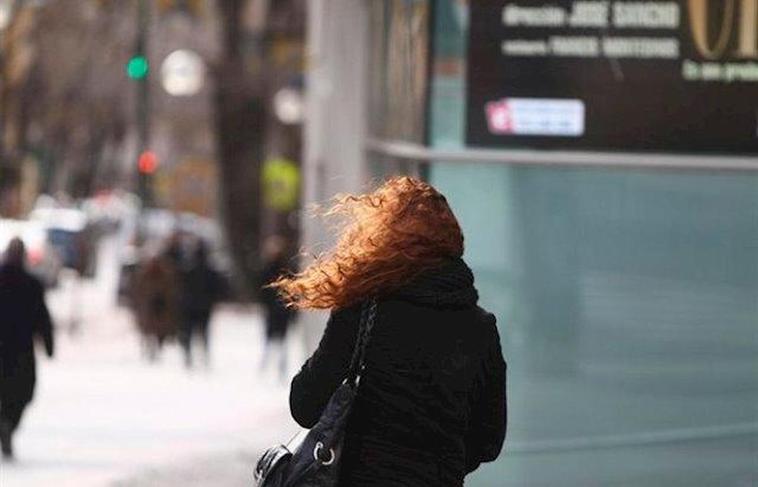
x=147, y=162
x=138, y=67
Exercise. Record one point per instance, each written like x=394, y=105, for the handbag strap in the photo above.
x=358, y=362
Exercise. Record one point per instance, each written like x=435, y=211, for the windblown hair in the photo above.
x=384, y=239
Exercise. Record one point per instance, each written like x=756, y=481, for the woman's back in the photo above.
x=431, y=402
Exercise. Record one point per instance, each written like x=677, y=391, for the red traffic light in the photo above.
x=147, y=162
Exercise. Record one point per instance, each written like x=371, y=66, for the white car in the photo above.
x=42, y=259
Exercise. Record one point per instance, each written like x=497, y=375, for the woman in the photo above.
x=431, y=404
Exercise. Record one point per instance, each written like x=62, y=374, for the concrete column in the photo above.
x=334, y=159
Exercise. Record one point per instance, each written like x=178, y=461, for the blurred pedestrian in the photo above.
x=155, y=296
x=25, y=317
x=277, y=316
x=431, y=399
x=174, y=249
x=201, y=289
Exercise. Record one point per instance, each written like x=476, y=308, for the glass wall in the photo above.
x=627, y=302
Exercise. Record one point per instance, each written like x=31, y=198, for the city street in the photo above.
x=585, y=171
x=104, y=416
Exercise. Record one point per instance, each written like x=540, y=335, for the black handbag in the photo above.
x=315, y=461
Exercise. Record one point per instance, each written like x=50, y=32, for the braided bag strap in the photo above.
x=367, y=321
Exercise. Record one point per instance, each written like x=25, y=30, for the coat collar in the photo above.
x=450, y=284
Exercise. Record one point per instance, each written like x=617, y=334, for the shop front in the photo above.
x=602, y=159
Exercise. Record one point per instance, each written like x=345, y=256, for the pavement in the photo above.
x=230, y=470
x=103, y=416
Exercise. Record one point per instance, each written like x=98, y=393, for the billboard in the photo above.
x=614, y=75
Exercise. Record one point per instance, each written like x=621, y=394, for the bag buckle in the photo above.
x=316, y=455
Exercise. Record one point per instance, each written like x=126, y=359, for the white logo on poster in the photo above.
x=536, y=116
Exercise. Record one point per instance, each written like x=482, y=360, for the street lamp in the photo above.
x=288, y=106
x=183, y=73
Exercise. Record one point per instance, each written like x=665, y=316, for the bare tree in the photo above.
x=240, y=125
x=77, y=98
x=246, y=76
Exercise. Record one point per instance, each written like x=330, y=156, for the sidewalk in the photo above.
x=102, y=416
x=228, y=470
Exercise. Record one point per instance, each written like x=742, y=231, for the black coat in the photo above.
x=278, y=316
x=432, y=402
x=23, y=316
x=202, y=287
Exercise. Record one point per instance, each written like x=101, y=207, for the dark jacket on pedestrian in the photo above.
x=277, y=315
x=202, y=287
x=155, y=295
x=23, y=317
x=431, y=405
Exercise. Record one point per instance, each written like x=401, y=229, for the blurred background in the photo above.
x=601, y=156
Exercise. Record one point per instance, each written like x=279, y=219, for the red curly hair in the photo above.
x=385, y=238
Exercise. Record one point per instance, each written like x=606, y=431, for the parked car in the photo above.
x=69, y=232
x=42, y=258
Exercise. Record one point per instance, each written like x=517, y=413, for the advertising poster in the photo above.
x=614, y=75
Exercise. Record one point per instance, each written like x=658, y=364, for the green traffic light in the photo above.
x=137, y=67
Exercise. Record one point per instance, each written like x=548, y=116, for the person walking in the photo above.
x=24, y=318
x=277, y=316
x=431, y=406
x=201, y=289
x=155, y=299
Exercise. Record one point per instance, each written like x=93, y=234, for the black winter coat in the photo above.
x=432, y=402
x=278, y=316
x=202, y=287
x=23, y=316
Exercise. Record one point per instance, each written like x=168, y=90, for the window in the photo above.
x=627, y=298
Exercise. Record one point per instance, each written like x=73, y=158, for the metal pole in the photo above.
x=144, y=186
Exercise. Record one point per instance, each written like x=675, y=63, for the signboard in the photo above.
x=614, y=75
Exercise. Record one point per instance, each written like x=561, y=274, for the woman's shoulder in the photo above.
x=477, y=320
x=488, y=320
x=348, y=312
x=345, y=320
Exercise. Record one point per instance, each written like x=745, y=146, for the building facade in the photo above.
x=625, y=283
